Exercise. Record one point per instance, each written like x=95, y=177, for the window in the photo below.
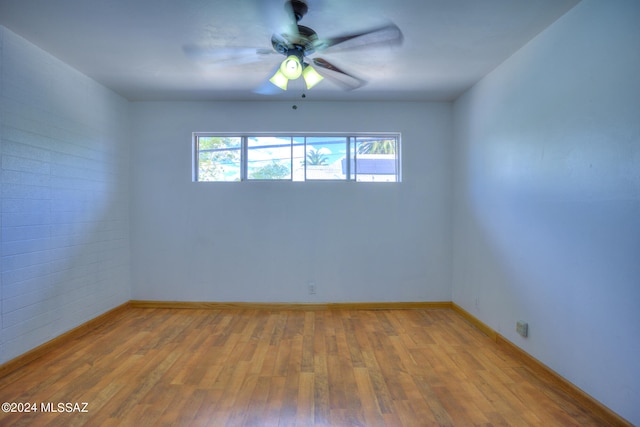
x=268, y=158
x=219, y=158
x=311, y=157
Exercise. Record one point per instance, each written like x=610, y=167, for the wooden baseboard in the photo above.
x=291, y=306
x=474, y=321
x=41, y=350
x=543, y=371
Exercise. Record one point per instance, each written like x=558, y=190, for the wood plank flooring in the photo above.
x=172, y=367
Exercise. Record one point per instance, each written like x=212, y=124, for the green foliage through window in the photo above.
x=271, y=171
x=219, y=158
x=377, y=146
x=316, y=158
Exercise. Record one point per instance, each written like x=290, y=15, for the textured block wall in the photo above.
x=64, y=207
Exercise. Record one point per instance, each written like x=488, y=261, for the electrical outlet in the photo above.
x=311, y=287
x=522, y=328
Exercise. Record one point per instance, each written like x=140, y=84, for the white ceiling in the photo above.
x=135, y=47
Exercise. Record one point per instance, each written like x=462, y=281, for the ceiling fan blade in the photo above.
x=387, y=35
x=346, y=80
x=268, y=88
x=224, y=56
x=279, y=18
x=292, y=24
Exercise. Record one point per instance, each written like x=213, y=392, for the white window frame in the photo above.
x=350, y=137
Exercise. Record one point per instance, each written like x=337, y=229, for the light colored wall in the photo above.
x=64, y=207
x=545, y=209
x=264, y=241
x=547, y=200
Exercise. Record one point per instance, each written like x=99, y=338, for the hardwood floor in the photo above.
x=245, y=367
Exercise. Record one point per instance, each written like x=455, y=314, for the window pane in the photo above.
x=323, y=157
x=376, y=159
x=219, y=158
x=269, y=158
x=298, y=158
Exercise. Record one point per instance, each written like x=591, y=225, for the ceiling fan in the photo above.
x=299, y=44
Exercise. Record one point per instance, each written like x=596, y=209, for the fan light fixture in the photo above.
x=311, y=76
x=292, y=68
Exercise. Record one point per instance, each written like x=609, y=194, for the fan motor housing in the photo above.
x=298, y=7
x=303, y=41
